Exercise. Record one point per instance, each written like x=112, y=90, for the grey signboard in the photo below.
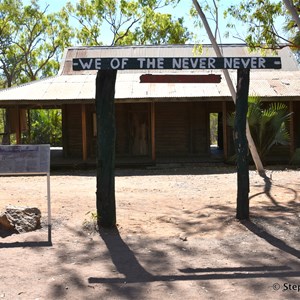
x=22, y=159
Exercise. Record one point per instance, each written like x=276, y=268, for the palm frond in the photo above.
x=267, y=124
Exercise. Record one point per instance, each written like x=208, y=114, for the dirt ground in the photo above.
x=177, y=237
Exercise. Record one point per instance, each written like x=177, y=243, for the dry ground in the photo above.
x=177, y=237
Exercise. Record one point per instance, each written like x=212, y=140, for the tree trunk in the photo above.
x=241, y=144
x=252, y=147
x=291, y=8
x=105, y=112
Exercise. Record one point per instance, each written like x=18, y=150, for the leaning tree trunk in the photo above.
x=251, y=144
x=293, y=12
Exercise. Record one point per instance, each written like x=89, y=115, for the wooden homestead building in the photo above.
x=155, y=122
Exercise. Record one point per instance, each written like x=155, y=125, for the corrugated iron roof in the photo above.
x=71, y=86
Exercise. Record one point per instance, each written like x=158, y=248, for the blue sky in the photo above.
x=182, y=10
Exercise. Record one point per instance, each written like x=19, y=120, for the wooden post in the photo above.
x=65, y=133
x=153, y=147
x=18, y=125
x=106, y=131
x=83, y=130
x=225, y=131
x=292, y=129
x=241, y=144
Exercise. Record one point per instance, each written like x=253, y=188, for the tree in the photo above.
x=30, y=43
x=132, y=22
x=260, y=19
x=10, y=59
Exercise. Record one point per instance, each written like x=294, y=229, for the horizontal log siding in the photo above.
x=181, y=129
x=125, y=113
x=91, y=140
x=172, y=129
x=199, y=126
x=122, y=129
x=73, y=130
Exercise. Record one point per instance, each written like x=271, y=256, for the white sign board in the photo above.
x=19, y=159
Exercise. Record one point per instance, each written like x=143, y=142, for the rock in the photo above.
x=22, y=219
x=4, y=223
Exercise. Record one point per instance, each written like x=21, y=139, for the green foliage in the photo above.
x=267, y=124
x=30, y=41
x=130, y=22
x=260, y=19
x=45, y=127
x=89, y=16
x=2, y=120
x=292, y=28
x=91, y=224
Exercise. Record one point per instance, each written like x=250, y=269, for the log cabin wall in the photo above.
x=229, y=142
x=181, y=130
x=172, y=129
x=122, y=129
x=90, y=129
x=199, y=129
x=133, y=129
x=72, y=131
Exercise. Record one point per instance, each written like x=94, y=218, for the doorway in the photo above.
x=139, y=133
x=216, y=133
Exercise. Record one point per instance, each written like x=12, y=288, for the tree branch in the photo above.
x=127, y=31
